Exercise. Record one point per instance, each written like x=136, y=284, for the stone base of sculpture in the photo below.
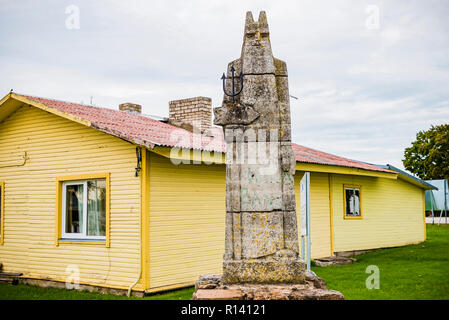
x=263, y=271
x=212, y=287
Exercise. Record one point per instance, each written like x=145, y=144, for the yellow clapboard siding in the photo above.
x=59, y=147
x=392, y=214
x=186, y=208
x=187, y=221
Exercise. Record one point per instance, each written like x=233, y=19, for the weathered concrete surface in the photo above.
x=312, y=288
x=334, y=261
x=261, y=229
x=46, y=283
x=263, y=271
x=218, y=294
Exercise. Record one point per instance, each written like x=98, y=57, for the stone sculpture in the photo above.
x=261, y=229
x=261, y=259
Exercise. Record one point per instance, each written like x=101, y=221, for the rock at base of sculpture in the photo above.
x=263, y=271
x=211, y=287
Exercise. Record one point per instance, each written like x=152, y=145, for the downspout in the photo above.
x=331, y=213
x=142, y=159
x=140, y=258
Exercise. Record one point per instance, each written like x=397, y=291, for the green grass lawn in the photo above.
x=413, y=272
x=25, y=292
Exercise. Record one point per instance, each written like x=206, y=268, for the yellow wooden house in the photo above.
x=129, y=201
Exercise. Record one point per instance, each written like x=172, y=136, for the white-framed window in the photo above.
x=353, y=201
x=84, y=209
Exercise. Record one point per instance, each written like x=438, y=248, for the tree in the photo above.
x=428, y=157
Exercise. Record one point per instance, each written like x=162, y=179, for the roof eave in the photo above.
x=326, y=168
x=71, y=117
x=44, y=107
x=411, y=179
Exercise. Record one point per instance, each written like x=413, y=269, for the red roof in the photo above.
x=148, y=132
x=136, y=128
x=308, y=155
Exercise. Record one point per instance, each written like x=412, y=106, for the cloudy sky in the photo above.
x=368, y=74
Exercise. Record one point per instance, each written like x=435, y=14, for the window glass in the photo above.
x=96, y=207
x=84, y=209
x=352, y=196
x=74, y=208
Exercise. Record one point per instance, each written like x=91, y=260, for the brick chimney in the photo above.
x=187, y=113
x=130, y=107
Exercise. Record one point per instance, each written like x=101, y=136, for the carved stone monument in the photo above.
x=261, y=238
x=261, y=230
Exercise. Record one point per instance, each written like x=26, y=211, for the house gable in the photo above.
x=56, y=146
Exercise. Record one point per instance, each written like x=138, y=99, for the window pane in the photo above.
x=352, y=202
x=348, y=196
x=74, y=208
x=96, y=207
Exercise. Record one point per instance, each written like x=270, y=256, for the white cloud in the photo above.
x=363, y=93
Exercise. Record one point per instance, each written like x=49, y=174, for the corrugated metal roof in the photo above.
x=393, y=168
x=308, y=155
x=148, y=132
x=133, y=127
